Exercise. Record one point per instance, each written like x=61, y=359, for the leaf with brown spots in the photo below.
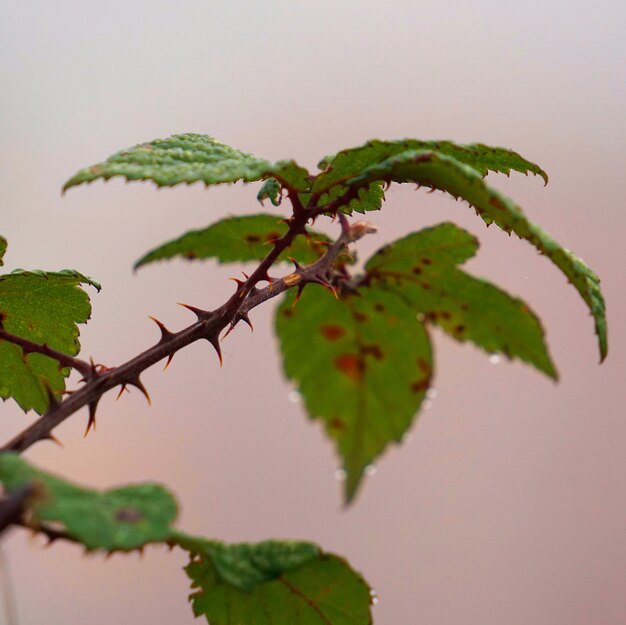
x=119, y=519
x=437, y=170
x=362, y=363
x=239, y=239
x=467, y=308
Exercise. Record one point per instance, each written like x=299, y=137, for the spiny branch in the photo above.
x=208, y=326
x=64, y=360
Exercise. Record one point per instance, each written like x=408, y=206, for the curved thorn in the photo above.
x=166, y=335
x=137, y=383
x=296, y=264
x=214, y=340
x=51, y=437
x=92, y=416
x=246, y=319
x=169, y=360
x=198, y=312
x=122, y=389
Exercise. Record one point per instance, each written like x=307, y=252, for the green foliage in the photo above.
x=118, y=519
x=304, y=588
x=246, y=565
x=240, y=239
x=362, y=362
x=483, y=158
x=190, y=158
x=439, y=171
x=369, y=198
x=363, y=365
x=240, y=583
x=421, y=269
x=3, y=249
x=43, y=307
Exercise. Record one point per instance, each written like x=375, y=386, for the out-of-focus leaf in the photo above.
x=118, y=519
x=275, y=582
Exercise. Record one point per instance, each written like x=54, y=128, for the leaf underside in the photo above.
x=189, y=158
x=438, y=171
x=239, y=239
x=363, y=365
x=43, y=307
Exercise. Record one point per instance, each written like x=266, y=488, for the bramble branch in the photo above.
x=209, y=325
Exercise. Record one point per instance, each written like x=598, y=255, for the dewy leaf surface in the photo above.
x=43, y=307
x=275, y=583
x=438, y=171
x=483, y=158
x=117, y=519
x=363, y=365
x=190, y=158
x=422, y=269
x=239, y=239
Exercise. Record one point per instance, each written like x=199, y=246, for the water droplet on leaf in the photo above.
x=370, y=470
x=340, y=475
x=494, y=359
x=294, y=397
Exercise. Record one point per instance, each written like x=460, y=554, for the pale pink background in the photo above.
x=508, y=504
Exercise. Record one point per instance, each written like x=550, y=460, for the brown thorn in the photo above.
x=296, y=264
x=298, y=293
x=122, y=389
x=169, y=360
x=53, y=402
x=198, y=312
x=92, y=416
x=214, y=340
x=247, y=321
x=166, y=335
x=137, y=383
x=51, y=437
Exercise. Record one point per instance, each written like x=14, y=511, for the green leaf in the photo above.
x=43, y=307
x=239, y=239
x=363, y=365
x=273, y=583
x=369, y=199
x=421, y=268
x=483, y=158
x=118, y=519
x=190, y=158
x=439, y=171
x=271, y=190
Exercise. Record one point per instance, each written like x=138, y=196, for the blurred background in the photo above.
x=506, y=505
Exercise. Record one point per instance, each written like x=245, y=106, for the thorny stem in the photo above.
x=208, y=326
x=64, y=360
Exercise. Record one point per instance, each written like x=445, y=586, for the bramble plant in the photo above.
x=356, y=345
